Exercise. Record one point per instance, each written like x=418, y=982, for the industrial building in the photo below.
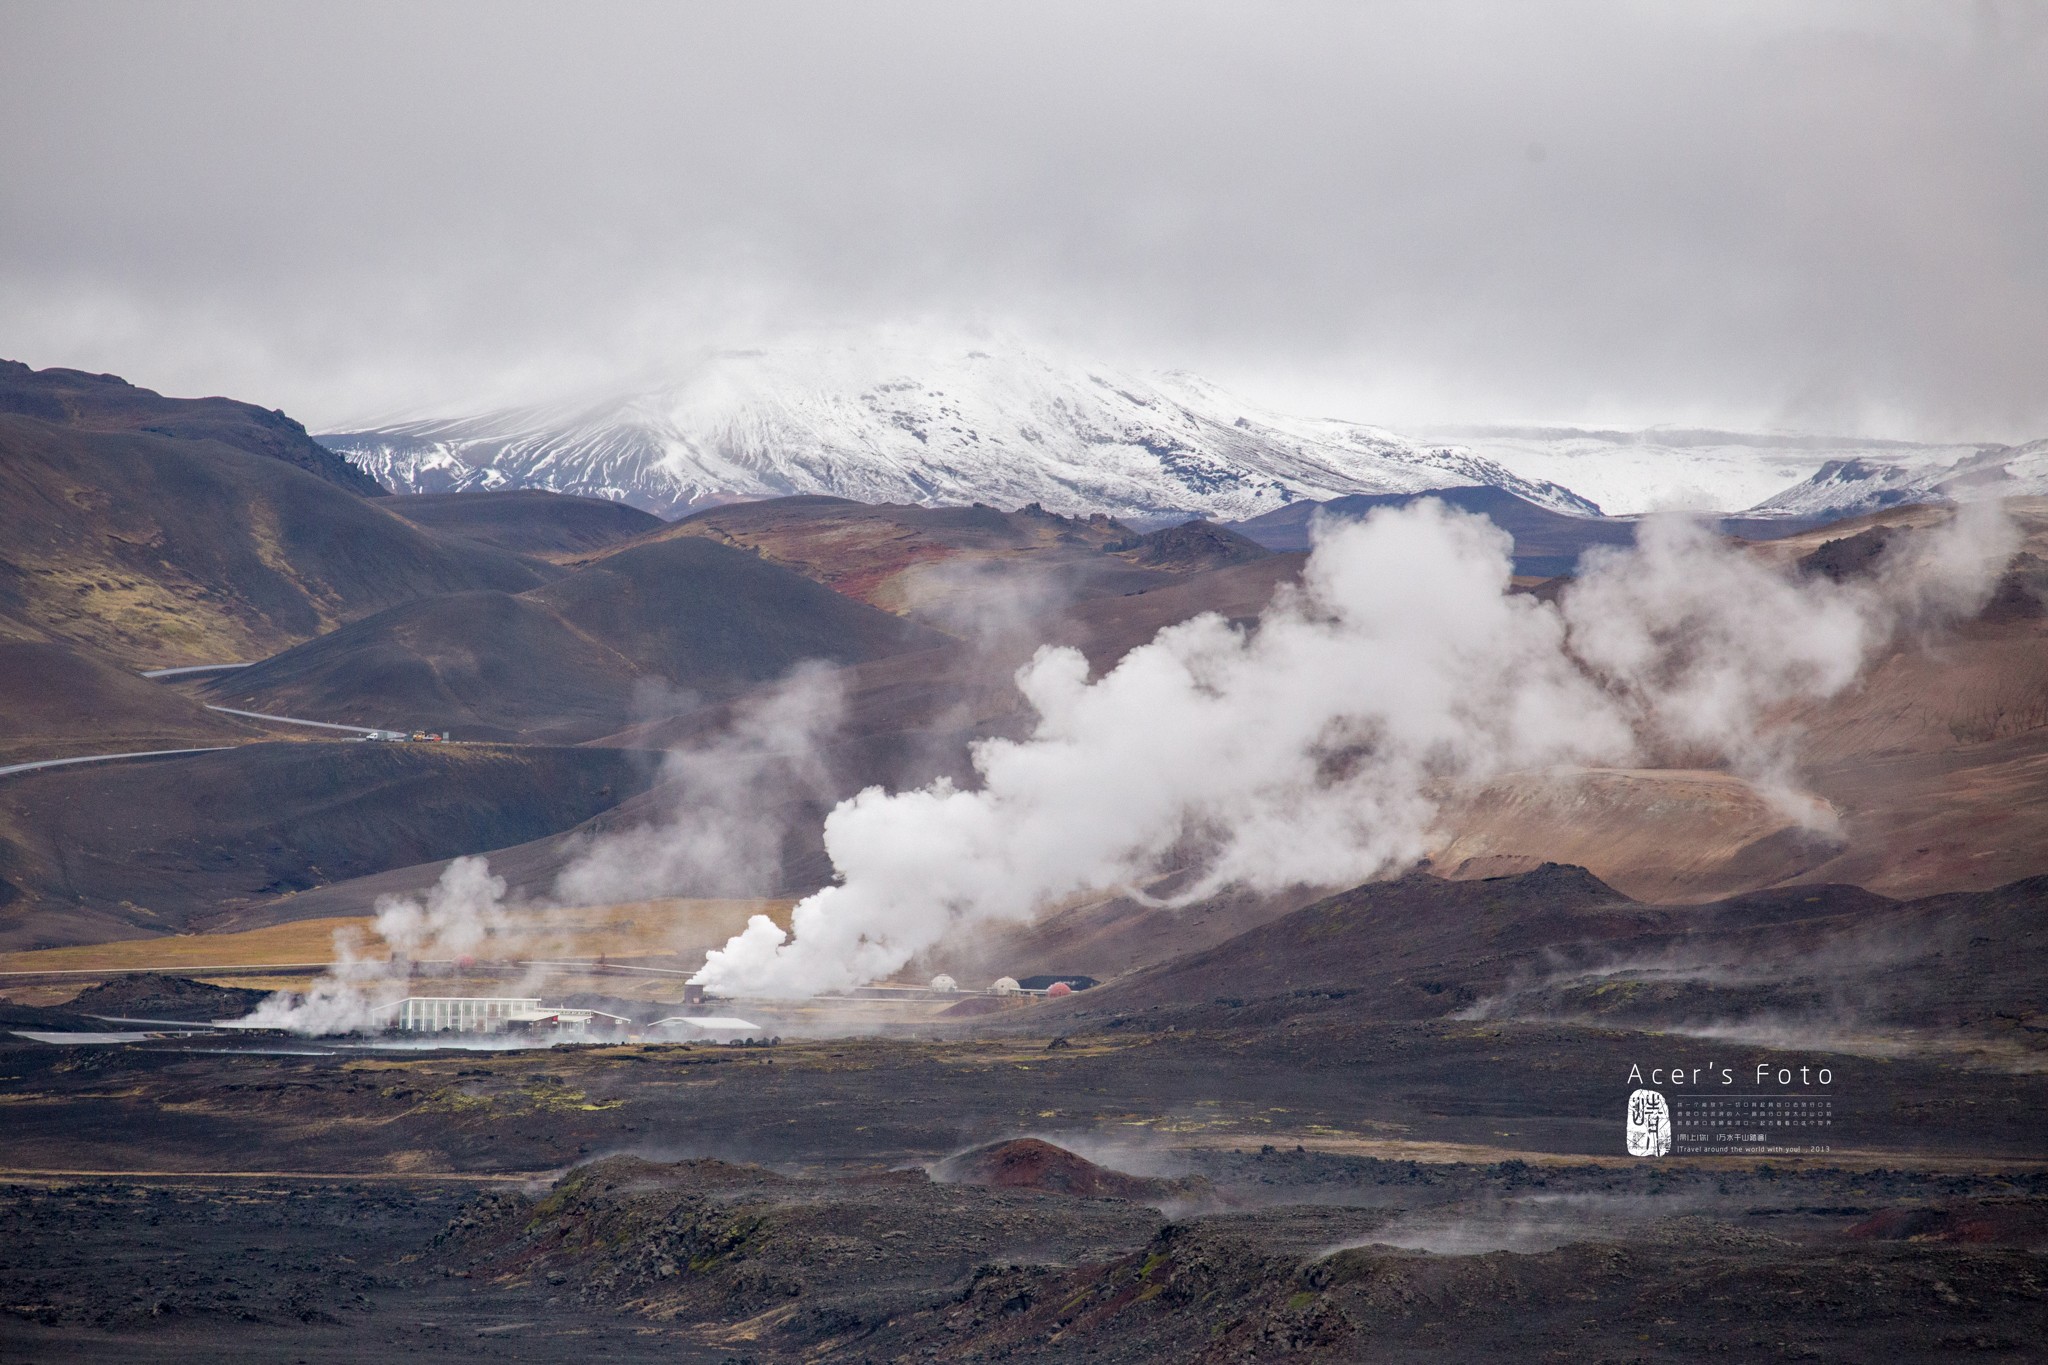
x=495, y=1014
x=460, y=1014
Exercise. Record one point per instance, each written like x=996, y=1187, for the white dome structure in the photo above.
x=944, y=984
x=1005, y=985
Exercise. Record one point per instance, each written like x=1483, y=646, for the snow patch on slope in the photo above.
x=1630, y=472
x=1844, y=488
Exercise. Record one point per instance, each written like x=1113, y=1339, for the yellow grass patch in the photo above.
x=630, y=930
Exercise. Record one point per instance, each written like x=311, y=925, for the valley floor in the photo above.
x=1315, y=1187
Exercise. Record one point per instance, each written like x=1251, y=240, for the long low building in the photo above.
x=494, y=1014
x=460, y=1013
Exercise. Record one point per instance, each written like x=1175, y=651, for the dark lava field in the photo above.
x=1232, y=1184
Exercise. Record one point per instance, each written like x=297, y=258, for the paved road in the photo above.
x=190, y=668
x=107, y=758
x=62, y=975
x=394, y=1177
x=55, y=976
x=294, y=720
x=363, y=730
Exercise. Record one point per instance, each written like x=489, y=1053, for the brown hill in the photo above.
x=57, y=701
x=909, y=718
x=108, y=403
x=939, y=562
x=1934, y=766
x=1558, y=944
x=528, y=521
x=161, y=550
x=1937, y=760
x=575, y=659
x=1660, y=834
x=152, y=995
x=1034, y=1164
x=1191, y=547
x=127, y=850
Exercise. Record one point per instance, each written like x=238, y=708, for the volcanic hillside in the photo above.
x=1559, y=944
x=57, y=701
x=129, y=850
x=167, y=544
x=108, y=403
x=1957, y=813
x=1931, y=771
x=535, y=617
x=930, y=561
x=575, y=659
x=528, y=521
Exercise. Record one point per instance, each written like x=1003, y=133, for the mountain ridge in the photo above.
x=894, y=426
x=108, y=403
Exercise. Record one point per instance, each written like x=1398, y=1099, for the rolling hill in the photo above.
x=577, y=658
x=58, y=700
x=108, y=403
x=160, y=550
x=940, y=562
x=127, y=850
x=527, y=521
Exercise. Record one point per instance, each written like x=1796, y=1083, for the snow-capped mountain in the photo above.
x=1628, y=472
x=1844, y=488
x=998, y=425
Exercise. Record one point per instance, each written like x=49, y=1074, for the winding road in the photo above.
x=188, y=670
x=107, y=758
x=367, y=732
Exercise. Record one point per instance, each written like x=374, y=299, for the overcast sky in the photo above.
x=1824, y=217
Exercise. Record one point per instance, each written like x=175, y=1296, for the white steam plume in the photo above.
x=464, y=908
x=1699, y=643
x=729, y=799
x=1315, y=748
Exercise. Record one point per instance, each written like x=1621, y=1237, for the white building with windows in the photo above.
x=462, y=1013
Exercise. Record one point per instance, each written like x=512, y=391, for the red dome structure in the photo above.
x=1058, y=988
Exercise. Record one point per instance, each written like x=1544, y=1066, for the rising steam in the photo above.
x=1315, y=748
x=728, y=800
x=465, y=908
x=725, y=801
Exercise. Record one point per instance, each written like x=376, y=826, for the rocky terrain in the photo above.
x=1297, y=1184
x=1386, y=1125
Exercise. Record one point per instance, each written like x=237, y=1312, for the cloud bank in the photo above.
x=1823, y=215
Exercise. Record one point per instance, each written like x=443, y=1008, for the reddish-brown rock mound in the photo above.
x=1982, y=1221
x=1033, y=1164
